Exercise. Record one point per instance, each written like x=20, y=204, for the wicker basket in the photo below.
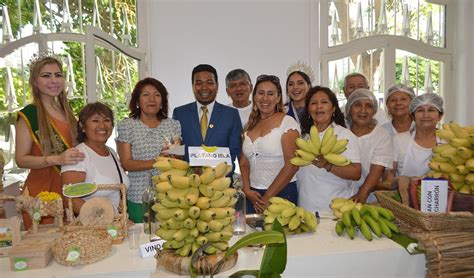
x=93, y=245
x=450, y=221
x=120, y=220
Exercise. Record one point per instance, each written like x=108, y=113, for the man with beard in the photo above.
x=205, y=121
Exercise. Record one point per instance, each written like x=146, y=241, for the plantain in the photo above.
x=315, y=140
x=365, y=230
x=194, y=212
x=337, y=159
x=220, y=184
x=179, y=182
x=305, y=155
x=298, y=161
x=208, y=176
x=340, y=146
x=221, y=169
x=374, y=225
x=178, y=164
x=294, y=222
x=340, y=227
x=303, y=145
x=385, y=229
x=329, y=139
x=203, y=203
x=162, y=165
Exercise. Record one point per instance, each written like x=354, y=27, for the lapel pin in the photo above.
x=211, y=126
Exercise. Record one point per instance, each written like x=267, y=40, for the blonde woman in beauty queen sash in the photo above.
x=45, y=130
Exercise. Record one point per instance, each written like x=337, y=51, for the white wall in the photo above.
x=260, y=36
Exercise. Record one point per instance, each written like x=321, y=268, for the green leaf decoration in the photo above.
x=243, y=273
x=79, y=189
x=404, y=240
x=274, y=257
x=263, y=237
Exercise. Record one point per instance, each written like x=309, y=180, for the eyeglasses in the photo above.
x=271, y=78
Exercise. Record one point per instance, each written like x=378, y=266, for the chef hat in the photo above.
x=427, y=99
x=399, y=88
x=359, y=94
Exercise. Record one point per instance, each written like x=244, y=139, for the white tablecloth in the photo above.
x=319, y=254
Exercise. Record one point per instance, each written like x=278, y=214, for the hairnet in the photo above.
x=427, y=99
x=399, y=88
x=359, y=94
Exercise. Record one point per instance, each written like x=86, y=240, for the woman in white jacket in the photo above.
x=321, y=181
x=375, y=142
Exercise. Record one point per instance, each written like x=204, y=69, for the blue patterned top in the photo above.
x=146, y=144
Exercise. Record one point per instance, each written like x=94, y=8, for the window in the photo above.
x=389, y=41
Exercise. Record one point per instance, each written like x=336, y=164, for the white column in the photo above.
x=463, y=61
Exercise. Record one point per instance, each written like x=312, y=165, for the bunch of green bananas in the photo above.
x=194, y=209
x=294, y=219
x=454, y=160
x=341, y=205
x=369, y=219
x=329, y=147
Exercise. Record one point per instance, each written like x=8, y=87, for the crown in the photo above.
x=40, y=56
x=303, y=67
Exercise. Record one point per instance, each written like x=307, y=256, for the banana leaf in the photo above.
x=274, y=257
x=264, y=237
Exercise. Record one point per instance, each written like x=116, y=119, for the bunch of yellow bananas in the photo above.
x=367, y=219
x=329, y=147
x=454, y=160
x=294, y=219
x=194, y=209
x=341, y=205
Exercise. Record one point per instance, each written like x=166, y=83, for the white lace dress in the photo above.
x=265, y=154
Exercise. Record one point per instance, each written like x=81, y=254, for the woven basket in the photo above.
x=120, y=219
x=93, y=246
x=450, y=221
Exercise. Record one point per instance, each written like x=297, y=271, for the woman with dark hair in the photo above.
x=321, y=181
x=397, y=100
x=143, y=136
x=100, y=165
x=46, y=131
x=297, y=86
x=268, y=145
x=413, y=149
x=375, y=142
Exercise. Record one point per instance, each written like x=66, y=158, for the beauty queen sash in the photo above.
x=30, y=115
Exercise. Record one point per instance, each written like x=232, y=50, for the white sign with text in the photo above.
x=208, y=156
x=149, y=249
x=434, y=195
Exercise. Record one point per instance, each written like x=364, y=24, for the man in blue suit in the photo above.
x=206, y=121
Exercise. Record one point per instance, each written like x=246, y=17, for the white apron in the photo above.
x=416, y=159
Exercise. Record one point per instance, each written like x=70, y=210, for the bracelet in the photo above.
x=329, y=168
x=45, y=161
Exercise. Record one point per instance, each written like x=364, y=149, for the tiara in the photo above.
x=40, y=56
x=303, y=67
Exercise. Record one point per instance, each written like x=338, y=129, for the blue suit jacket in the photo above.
x=224, y=128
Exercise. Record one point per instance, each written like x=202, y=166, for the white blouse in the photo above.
x=265, y=154
x=375, y=148
x=317, y=187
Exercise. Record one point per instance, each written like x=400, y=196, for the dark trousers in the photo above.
x=290, y=192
